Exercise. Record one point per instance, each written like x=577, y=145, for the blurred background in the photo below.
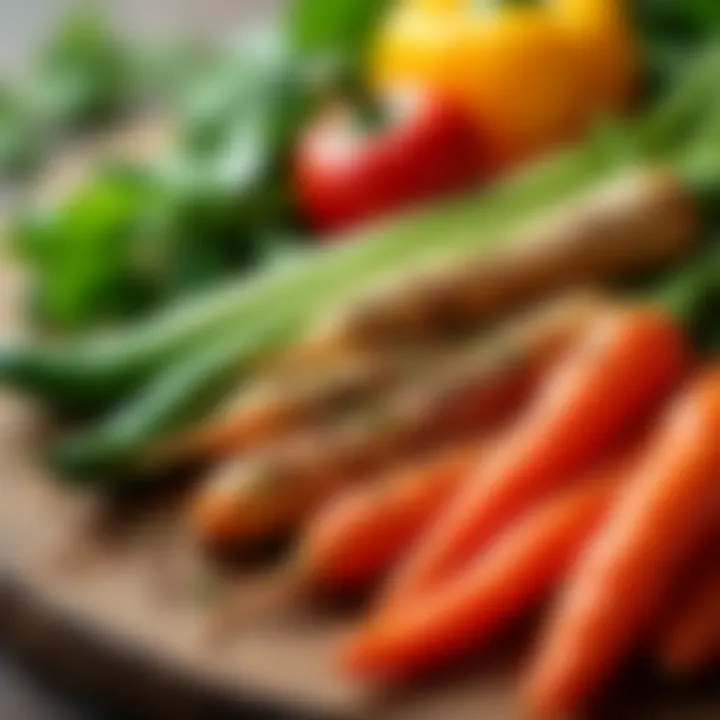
x=24, y=24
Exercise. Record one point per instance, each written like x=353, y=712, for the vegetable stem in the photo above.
x=688, y=294
x=185, y=391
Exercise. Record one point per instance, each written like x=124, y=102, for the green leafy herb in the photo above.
x=671, y=32
x=341, y=27
x=217, y=204
x=223, y=197
x=92, y=257
x=85, y=74
x=85, y=71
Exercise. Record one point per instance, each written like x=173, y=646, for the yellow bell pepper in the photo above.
x=532, y=73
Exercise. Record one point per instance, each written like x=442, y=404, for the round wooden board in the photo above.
x=119, y=599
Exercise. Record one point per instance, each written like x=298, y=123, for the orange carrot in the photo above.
x=357, y=537
x=622, y=367
x=691, y=639
x=517, y=572
x=258, y=496
x=671, y=503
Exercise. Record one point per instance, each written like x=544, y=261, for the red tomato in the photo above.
x=347, y=171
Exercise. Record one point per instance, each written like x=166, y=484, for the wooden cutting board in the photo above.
x=117, y=598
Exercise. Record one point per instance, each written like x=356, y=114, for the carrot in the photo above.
x=691, y=639
x=670, y=505
x=257, y=496
x=516, y=572
x=621, y=367
x=357, y=537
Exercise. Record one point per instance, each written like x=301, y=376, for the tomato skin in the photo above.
x=347, y=173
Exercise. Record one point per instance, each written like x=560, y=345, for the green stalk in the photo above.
x=685, y=106
x=186, y=391
x=692, y=295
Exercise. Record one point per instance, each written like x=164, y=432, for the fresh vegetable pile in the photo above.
x=222, y=199
x=483, y=379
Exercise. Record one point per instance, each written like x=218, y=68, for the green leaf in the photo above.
x=85, y=70
x=88, y=256
x=230, y=179
x=84, y=74
x=671, y=31
x=341, y=27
